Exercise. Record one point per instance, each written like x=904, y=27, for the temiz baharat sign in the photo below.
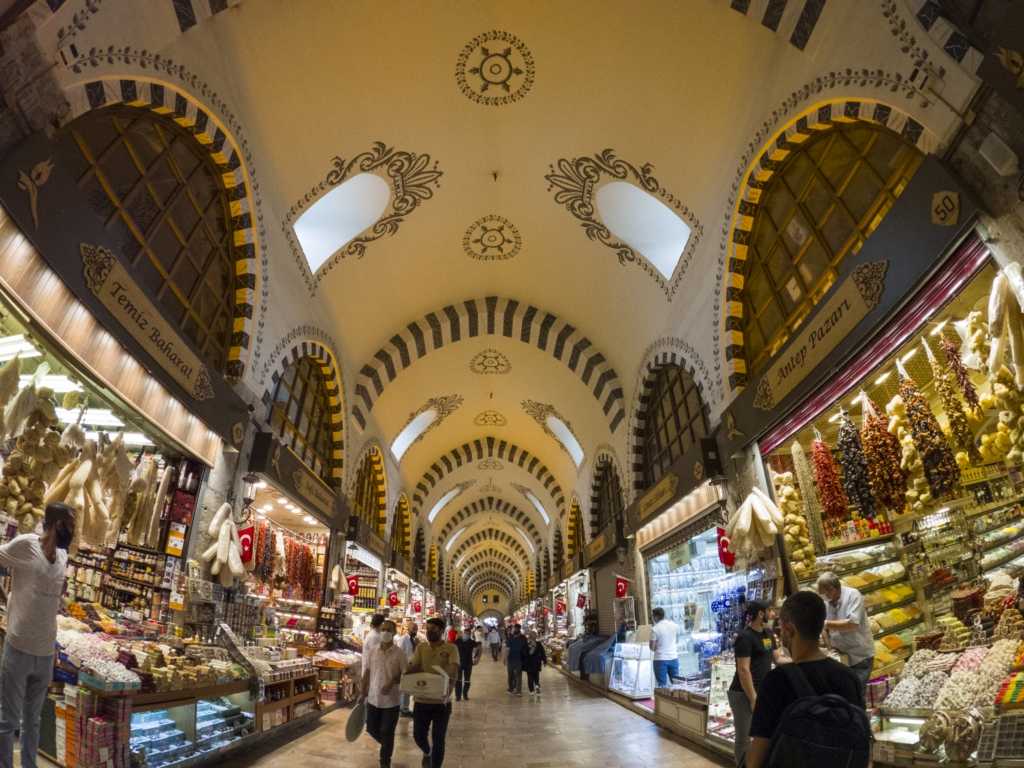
x=119, y=293
x=857, y=296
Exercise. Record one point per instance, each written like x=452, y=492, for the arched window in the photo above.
x=368, y=496
x=674, y=421
x=575, y=529
x=300, y=415
x=606, y=503
x=167, y=212
x=829, y=195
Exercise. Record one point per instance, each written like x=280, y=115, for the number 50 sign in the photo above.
x=946, y=208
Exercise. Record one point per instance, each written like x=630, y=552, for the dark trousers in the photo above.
x=462, y=682
x=495, y=650
x=515, y=676
x=533, y=679
x=381, y=724
x=431, y=719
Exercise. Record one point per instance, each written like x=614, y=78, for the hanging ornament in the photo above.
x=883, y=454
x=826, y=476
x=855, y=467
x=952, y=405
x=940, y=468
x=963, y=378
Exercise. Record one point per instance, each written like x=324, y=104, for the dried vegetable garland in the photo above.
x=265, y=552
x=963, y=378
x=830, y=490
x=300, y=567
x=940, y=468
x=812, y=507
x=953, y=406
x=856, y=481
x=883, y=454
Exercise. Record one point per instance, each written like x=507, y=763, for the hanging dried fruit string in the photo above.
x=855, y=467
x=812, y=507
x=883, y=454
x=963, y=378
x=830, y=489
x=940, y=468
x=953, y=406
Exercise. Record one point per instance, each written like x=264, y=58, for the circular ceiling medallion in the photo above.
x=490, y=419
x=495, y=68
x=490, y=361
x=490, y=464
x=492, y=238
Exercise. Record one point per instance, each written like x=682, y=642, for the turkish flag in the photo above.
x=417, y=607
x=392, y=599
x=621, y=586
x=245, y=538
x=581, y=600
x=559, y=608
x=725, y=556
x=353, y=585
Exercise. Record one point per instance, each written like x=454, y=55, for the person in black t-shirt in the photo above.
x=801, y=619
x=469, y=654
x=755, y=650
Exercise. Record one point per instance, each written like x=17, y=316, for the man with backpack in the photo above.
x=810, y=712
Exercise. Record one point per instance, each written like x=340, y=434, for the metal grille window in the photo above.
x=165, y=208
x=675, y=420
x=819, y=207
x=576, y=542
x=608, y=504
x=300, y=416
x=364, y=499
x=400, y=529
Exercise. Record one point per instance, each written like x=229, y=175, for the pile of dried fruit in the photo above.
x=940, y=467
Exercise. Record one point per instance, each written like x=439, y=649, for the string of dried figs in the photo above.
x=855, y=468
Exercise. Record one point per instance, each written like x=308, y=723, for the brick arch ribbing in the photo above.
x=490, y=504
x=491, y=316
x=504, y=538
x=374, y=457
x=484, y=556
x=492, y=571
x=493, y=583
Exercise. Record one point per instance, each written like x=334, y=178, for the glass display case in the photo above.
x=165, y=737
x=720, y=725
x=632, y=671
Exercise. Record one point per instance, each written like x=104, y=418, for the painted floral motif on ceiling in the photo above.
x=494, y=69
x=490, y=465
x=490, y=419
x=576, y=180
x=444, y=405
x=413, y=177
x=539, y=412
x=492, y=238
x=490, y=361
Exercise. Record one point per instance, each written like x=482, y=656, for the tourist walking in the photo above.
x=382, y=674
x=469, y=655
x=372, y=637
x=494, y=641
x=514, y=661
x=663, y=644
x=430, y=715
x=534, y=658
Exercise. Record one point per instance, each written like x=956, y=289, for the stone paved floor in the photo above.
x=567, y=727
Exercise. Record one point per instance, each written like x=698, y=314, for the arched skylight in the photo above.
x=448, y=546
x=340, y=215
x=644, y=223
x=526, y=538
x=442, y=501
x=538, y=506
x=566, y=438
x=412, y=431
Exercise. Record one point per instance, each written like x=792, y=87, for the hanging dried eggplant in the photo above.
x=856, y=482
x=826, y=477
x=940, y=468
x=883, y=454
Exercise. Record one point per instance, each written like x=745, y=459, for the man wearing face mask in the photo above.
x=430, y=716
x=407, y=643
x=469, y=654
x=382, y=673
x=37, y=566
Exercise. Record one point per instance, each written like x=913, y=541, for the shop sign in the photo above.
x=833, y=321
x=313, y=489
x=602, y=544
x=679, y=556
x=288, y=473
x=125, y=300
x=657, y=497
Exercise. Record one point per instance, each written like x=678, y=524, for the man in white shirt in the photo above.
x=37, y=565
x=478, y=634
x=382, y=672
x=663, y=643
x=372, y=638
x=494, y=641
x=407, y=643
x=846, y=621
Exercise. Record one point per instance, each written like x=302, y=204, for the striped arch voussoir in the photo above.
x=486, y=448
x=188, y=112
x=575, y=519
x=814, y=120
x=474, y=509
x=403, y=518
x=335, y=395
x=605, y=461
x=492, y=535
x=491, y=316
x=492, y=557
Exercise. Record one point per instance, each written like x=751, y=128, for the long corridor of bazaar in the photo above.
x=623, y=352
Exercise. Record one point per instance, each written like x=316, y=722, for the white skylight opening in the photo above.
x=644, y=223
x=566, y=438
x=538, y=506
x=442, y=501
x=448, y=546
x=340, y=215
x=412, y=432
x=529, y=543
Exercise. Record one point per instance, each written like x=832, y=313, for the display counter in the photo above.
x=632, y=671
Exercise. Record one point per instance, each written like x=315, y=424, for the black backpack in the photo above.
x=819, y=730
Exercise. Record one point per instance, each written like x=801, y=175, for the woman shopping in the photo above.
x=534, y=658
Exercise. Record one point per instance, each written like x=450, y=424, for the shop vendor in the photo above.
x=847, y=625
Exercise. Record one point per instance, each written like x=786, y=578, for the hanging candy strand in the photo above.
x=855, y=468
x=812, y=507
x=826, y=477
x=953, y=406
x=883, y=454
x=963, y=378
x=940, y=467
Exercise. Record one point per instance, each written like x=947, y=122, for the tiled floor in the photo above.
x=567, y=727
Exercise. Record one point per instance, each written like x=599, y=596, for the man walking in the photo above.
x=494, y=640
x=37, y=568
x=431, y=715
x=372, y=638
x=846, y=621
x=382, y=673
x=469, y=655
x=514, y=663
x=407, y=643
x=663, y=643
